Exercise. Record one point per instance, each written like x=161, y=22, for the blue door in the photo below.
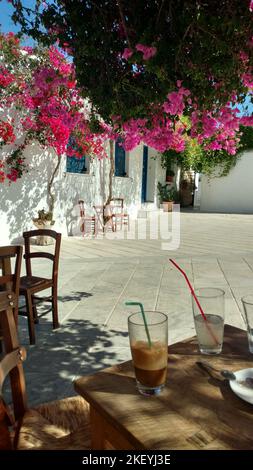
x=120, y=160
x=144, y=174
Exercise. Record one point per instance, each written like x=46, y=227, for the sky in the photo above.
x=7, y=24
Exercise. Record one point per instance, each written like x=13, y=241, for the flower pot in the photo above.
x=169, y=179
x=43, y=225
x=168, y=206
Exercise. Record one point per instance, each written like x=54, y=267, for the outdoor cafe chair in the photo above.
x=122, y=217
x=31, y=285
x=59, y=425
x=8, y=278
x=88, y=224
x=105, y=218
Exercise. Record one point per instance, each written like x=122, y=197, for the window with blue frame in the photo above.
x=76, y=164
x=120, y=159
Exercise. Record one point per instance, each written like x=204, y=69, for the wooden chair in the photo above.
x=59, y=425
x=121, y=215
x=87, y=224
x=8, y=279
x=105, y=218
x=30, y=285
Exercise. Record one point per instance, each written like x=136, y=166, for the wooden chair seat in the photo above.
x=33, y=282
x=61, y=424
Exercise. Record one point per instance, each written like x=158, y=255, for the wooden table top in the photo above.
x=195, y=411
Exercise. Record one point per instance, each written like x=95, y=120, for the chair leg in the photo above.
x=30, y=319
x=35, y=313
x=55, y=308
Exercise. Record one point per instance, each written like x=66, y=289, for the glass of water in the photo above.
x=247, y=303
x=210, y=329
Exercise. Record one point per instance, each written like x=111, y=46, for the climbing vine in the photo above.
x=213, y=163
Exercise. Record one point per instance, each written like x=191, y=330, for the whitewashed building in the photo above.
x=136, y=176
x=232, y=193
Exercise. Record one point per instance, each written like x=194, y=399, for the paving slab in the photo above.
x=96, y=277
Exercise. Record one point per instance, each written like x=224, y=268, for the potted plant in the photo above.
x=167, y=196
x=43, y=221
x=186, y=193
x=169, y=161
x=169, y=175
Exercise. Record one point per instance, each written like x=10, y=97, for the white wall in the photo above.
x=155, y=174
x=20, y=201
x=232, y=193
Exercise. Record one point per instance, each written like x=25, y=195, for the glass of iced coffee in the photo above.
x=150, y=355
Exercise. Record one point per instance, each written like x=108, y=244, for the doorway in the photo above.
x=144, y=174
x=148, y=176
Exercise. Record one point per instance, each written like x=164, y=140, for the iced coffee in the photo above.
x=149, y=358
x=150, y=363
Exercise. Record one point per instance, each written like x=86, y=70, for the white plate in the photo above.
x=243, y=392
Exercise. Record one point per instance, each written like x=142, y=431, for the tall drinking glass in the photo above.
x=247, y=303
x=149, y=360
x=209, y=330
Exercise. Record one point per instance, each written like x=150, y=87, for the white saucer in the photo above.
x=242, y=391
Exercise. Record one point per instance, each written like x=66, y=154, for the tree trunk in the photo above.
x=51, y=196
x=111, y=173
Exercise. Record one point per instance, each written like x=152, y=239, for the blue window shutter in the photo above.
x=120, y=160
x=75, y=164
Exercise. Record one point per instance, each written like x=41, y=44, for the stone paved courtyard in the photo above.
x=96, y=278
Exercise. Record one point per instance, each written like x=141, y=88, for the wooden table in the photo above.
x=195, y=411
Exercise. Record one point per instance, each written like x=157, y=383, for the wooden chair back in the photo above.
x=82, y=214
x=81, y=207
x=105, y=217
x=118, y=202
x=11, y=364
x=10, y=280
x=121, y=214
x=42, y=254
x=99, y=211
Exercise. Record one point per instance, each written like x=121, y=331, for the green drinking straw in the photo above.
x=144, y=319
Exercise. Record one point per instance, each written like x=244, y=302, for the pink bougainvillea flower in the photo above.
x=147, y=51
x=6, y=78
x=175, y=103
x=71, y=84
x=28, y=49
x=247, y=79
x=7, y=135
x=13, y=175
x=127, y=53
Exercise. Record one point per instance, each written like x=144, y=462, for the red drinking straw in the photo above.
x=196, y=300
